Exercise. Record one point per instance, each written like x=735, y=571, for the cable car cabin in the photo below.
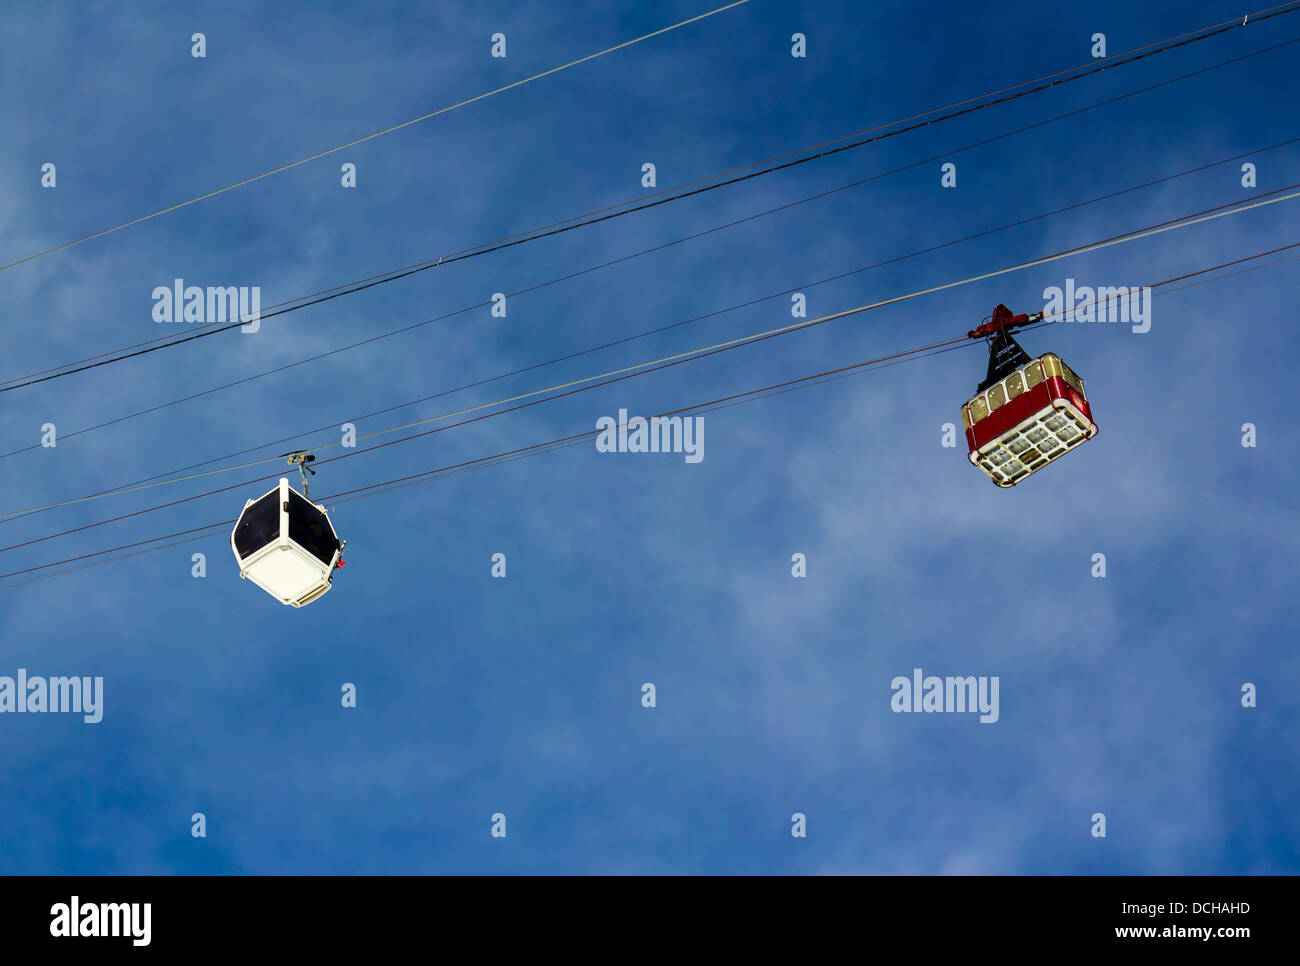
x=1022, y=422
x=286, y=545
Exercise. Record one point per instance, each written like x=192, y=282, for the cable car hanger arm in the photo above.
x=1005, y=353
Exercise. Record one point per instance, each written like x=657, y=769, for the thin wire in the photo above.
x=625, y=339
x=563, y=442
x=651, y=366
x=326, y=295
x=369, y=137
x=481, y=460
x=656, y=248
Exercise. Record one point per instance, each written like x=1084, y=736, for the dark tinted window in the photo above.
x=259, y=525
x=310, y=530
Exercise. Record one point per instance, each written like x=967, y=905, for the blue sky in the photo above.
x=523, y=696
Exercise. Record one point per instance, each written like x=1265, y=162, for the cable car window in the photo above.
x=1071, y=379
x=259, y=525
x=1034, y=374
x=310, y=530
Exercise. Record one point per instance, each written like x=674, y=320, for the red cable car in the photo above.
x=1028, y=412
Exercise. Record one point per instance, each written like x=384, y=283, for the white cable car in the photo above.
x=287, y=545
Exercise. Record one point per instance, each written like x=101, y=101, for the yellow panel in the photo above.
x=1033, y=374
x=1015, y=385
x=996, y=397
x=1071, y=379
x=1051, y=364
x=979, y=408
x=965, y=416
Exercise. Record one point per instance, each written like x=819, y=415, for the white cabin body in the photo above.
x=286, y=545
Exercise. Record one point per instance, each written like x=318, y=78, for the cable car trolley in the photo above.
x=1028, y=412
x=286, y=544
